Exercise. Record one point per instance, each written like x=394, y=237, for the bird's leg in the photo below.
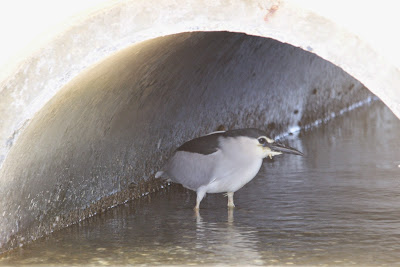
x=200, y=194
x=230, y=200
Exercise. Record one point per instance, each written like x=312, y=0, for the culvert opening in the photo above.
x=99, y=141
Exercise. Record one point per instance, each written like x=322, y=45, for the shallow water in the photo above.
x=339, y=205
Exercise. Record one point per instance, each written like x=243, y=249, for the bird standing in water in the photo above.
x=221, y=162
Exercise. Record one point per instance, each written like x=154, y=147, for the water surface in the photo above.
x=339, y=205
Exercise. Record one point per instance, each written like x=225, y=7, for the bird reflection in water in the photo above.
x=226, y=240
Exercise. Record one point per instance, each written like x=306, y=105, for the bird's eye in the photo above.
x=262, y=140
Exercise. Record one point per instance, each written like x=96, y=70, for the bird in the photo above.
x=221, y=161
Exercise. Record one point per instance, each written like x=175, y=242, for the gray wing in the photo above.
x=192, y=170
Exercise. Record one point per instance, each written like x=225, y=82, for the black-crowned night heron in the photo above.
x=221, y=162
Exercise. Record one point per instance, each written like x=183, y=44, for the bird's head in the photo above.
x=269, y=148
x=254, y=142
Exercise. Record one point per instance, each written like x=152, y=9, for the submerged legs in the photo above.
x=230, y=200
x=201, y=192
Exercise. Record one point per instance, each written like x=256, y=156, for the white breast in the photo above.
x=237, y=166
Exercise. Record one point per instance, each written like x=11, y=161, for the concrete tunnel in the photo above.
x=89, y=118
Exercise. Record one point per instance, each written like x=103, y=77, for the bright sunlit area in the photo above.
x=27, y=25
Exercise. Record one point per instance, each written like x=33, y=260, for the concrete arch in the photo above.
x=45, y=93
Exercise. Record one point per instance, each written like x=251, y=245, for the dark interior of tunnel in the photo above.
x=101, y=139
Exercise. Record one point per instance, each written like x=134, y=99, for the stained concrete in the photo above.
x=99, y=140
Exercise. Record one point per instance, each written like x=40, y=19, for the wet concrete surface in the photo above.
x=339, y=205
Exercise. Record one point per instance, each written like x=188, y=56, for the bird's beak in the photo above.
x=279, y=147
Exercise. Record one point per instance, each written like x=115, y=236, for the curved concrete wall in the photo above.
x=109, y=129
x=93, y=142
